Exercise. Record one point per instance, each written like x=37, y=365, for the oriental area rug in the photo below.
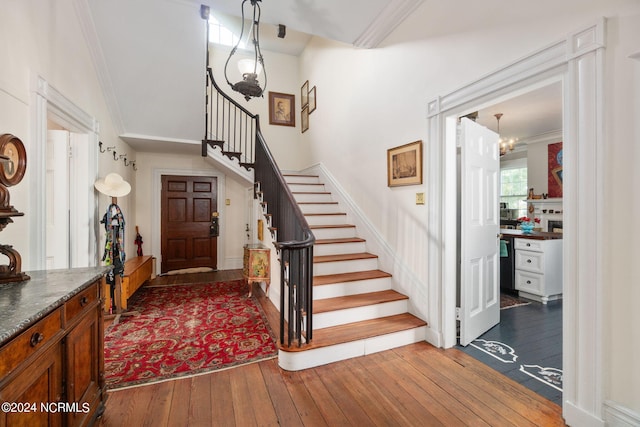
x=510, y=301
x=186, y=330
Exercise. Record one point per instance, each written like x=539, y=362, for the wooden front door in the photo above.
x=187, y=205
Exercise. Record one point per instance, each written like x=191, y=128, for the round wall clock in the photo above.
x=12, y=170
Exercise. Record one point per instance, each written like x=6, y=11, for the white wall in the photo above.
x=232, y=218
x=373, y=100
x=622, y=156
x=44, y=38
x=282, y=76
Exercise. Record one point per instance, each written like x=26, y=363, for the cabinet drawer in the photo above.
x=30, y=341
x=530, y=282
x=530, y=261
x=529, y=245
x=80, y=302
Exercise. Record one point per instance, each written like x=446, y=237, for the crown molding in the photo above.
x=387, y=21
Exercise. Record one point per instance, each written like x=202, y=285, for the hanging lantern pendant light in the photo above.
x=249, y=85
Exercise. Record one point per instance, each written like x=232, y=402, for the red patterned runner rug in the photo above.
x=186, y=330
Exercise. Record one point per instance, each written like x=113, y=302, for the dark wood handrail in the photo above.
x=294, y=238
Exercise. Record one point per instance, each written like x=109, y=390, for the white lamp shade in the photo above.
x=247, y=66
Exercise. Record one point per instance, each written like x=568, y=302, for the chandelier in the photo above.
x=505, y=144
x=250, y=69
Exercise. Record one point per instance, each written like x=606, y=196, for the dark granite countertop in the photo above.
x=24, y=303
x=535, y=235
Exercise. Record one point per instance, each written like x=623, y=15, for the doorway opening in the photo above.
x=64, y=234
x=526, y=343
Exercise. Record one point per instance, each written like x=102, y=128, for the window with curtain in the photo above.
x=513, y=189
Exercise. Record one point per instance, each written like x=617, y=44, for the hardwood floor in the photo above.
x=415, y=385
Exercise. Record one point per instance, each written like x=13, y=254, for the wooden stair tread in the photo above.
x=329, y=279
x=360, y=330
x=358, y=300
x=317, y=203
x=343, y=257
x=332, y=226
x=344, y=240
x=310, y=192
x=325, y=214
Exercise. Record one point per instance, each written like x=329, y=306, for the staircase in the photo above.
x=355, y=311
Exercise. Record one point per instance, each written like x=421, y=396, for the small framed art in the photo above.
x=404, y=164
x=304, y=94
x=304, y=119
x=282, y=109
x=312, y=100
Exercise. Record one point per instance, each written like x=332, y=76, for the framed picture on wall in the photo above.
x=282, y=109
x=304, y=119
x=404, y=164
x=304, y=94
x=312, y=100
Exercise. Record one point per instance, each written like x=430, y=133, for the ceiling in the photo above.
x=150, y=57
x=528, y=117
x=361, y=23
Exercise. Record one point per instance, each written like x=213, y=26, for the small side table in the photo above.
x=256, y=266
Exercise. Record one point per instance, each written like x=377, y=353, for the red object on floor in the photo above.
x=183, y=330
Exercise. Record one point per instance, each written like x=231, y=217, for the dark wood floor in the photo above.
x=409, y=386
x=534, y=331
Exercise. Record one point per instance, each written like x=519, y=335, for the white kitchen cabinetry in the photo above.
x=538, y=268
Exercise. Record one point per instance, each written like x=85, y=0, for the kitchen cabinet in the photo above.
x=538, y=268
x=52, y=351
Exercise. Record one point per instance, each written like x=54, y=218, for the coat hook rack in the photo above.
x=100, y=147
x=134, y=166
x=122, y=156
x=115, y=156
x=126, y=163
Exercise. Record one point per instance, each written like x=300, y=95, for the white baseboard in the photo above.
x=575, y=416
x=616, y=415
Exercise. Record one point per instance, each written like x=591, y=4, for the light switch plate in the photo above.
x=419, y=198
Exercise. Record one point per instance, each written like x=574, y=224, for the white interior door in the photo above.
x=57, y=199
x=479, y=227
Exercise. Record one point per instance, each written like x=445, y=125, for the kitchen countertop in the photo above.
x=24, y=303
x=535, y=235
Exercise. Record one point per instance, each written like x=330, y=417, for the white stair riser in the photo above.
x=319, y=208
x=307, y=187
x=334, y=233
x=301, y=179
x=326, y=219
x=344, y=289
x=338, y=267
x=339, y=248
x=312, y=197
x=357, y=314
x=299, y=360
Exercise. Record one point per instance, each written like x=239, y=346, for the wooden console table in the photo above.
x=256, y=266
x=52, y=349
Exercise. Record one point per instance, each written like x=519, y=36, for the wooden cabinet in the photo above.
x=538, y=266
x=256, y=266
x=53, y=372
